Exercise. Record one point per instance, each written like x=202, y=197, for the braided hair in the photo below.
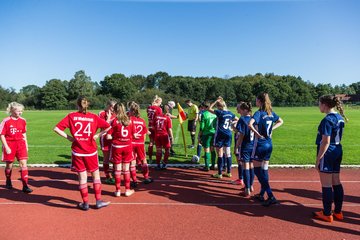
x=332, y=101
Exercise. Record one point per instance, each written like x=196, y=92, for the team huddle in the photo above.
x=122, y=133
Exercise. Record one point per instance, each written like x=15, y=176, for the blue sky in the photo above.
x=318, y=40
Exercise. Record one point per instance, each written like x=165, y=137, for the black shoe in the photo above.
x=204, y=169
x=259, y=197
x=83, y=206
x=148, y=180
x=270, y=201
x=172, y=152
x=134, y=184
x=163, y=167
x=8, y=184
x=26, y=189
x=158, y=167
x=101, y=204
x=212, y=168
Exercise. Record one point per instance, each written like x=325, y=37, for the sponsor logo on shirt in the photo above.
x=83, y=119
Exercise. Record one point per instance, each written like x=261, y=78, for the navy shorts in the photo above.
x=246, y=155
x=222, y=140
x=262, y=151
x=331, y=161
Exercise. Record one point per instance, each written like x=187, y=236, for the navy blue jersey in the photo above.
x=264, y=123
x=332, y=125
x=243, y=127
x=224, y=120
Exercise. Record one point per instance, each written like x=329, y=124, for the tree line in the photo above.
x=59, y=94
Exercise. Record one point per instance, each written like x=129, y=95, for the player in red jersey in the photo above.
x=163, y=139
x=83, y=126
x=14, y=143
x=139, y=143
x=108, y=115
x=121, y=134
x=153, y=111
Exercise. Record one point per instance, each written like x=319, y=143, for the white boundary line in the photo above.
x=181, y=165
x=186, y=180
x=285, y=204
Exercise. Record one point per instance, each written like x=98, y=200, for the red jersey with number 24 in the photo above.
x=83, y=127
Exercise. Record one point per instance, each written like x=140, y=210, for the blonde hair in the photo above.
x=221, y=104
x=83, y=104
x=121, y=115
x=332, y=101
x=135, y=109
x=157, y=100
x=265, y=103
x=14, y=105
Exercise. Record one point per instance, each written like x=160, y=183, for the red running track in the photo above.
x=180, y=204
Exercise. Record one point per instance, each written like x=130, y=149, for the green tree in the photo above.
x=54, y=95
x=81, y=84
x=118, y=86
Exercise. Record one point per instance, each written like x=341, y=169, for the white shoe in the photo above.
x=117, y=194
x=128, y=193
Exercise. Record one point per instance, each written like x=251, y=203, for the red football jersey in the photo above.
x=121, y=135
x=103, y=115
x=152, y=112
x=13, y=129
x=162, y=124
x=140, y=129
x=83, y=127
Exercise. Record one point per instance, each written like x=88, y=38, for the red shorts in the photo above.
x=84, y=162
x=18, y=150
x=162, y=141
x=139, y=151
x=105, y=143
x=121, y=154
x=152, y=134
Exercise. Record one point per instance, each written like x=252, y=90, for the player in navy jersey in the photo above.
x=262, y=124
x=245, y=144
x=329, y=156
x=223, y=135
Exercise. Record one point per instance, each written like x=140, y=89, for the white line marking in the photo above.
x=179, y=204
x=184, y=165
x=187, y=180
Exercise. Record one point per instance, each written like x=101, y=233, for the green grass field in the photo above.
x=294, y=142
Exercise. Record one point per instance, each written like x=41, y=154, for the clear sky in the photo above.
x=318, y=40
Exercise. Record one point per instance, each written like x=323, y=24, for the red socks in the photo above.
x=127, y=180
x=133, y=173
x=166, y=155
x=8, y=173
x=117, y=180
x=24, y=175
x=145, y=170
x=84, y=192
x=97, y=189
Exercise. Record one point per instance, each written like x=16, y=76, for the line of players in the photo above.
x=127, y=132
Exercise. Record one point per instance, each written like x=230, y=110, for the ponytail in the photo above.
x=135, y=109
x=246, y=106
x=332, y=101
x=119, y=109
x=265, y=102
x=83, y=104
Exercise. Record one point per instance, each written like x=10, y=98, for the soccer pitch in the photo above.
x=294, y=142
